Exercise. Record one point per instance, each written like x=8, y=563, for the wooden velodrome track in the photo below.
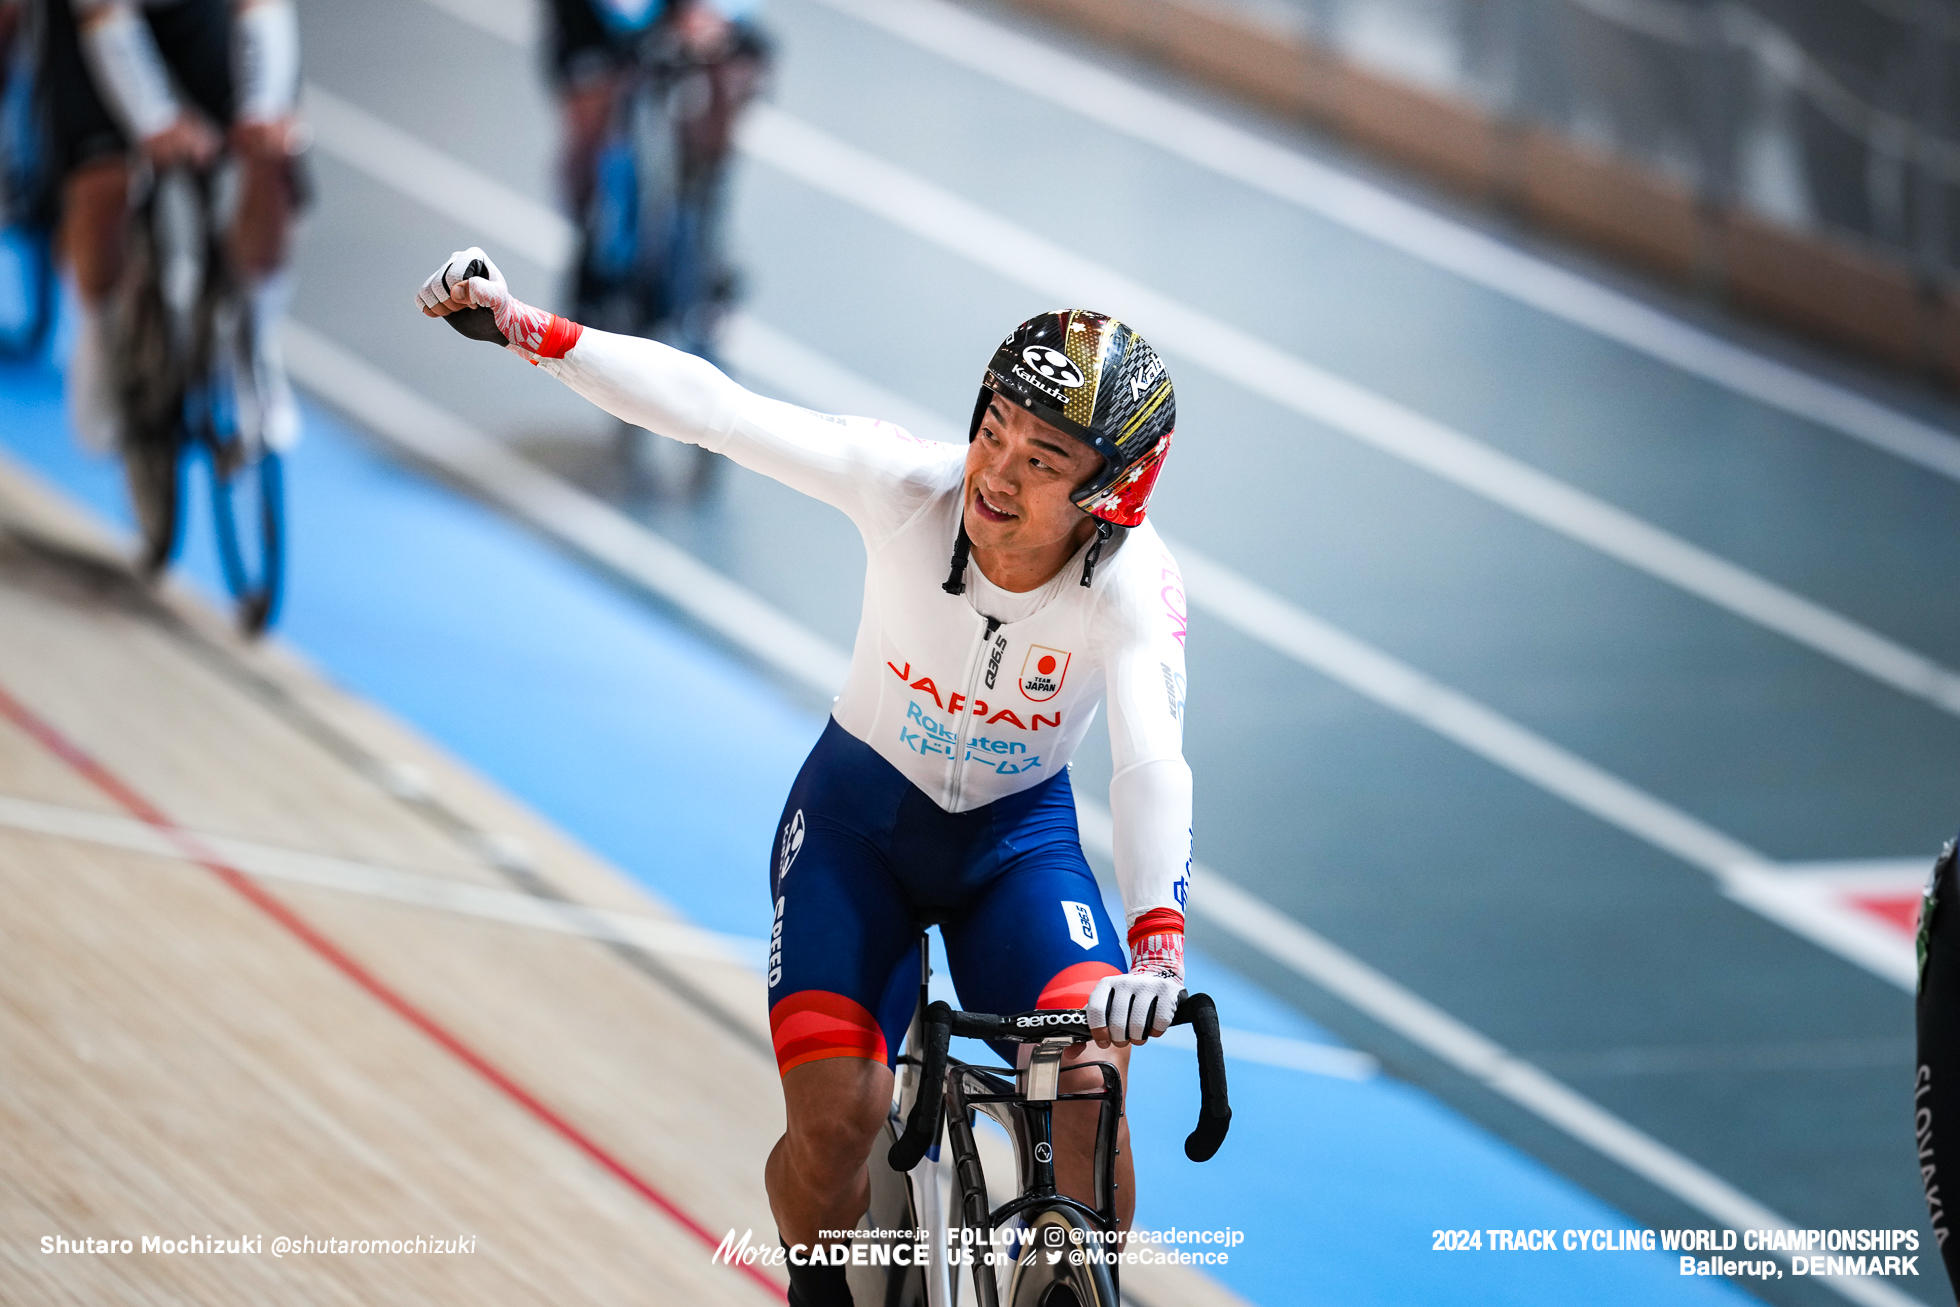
x=205, y=1034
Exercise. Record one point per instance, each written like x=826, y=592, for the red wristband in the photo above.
x=559, y=338
x=1157, y=921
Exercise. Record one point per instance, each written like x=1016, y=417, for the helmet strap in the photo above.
x=956, y=580
x=1104, y=530
x=980, y=408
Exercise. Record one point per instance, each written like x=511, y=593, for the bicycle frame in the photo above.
x=922, y=1185
x=186, y=350
x=936, y=1098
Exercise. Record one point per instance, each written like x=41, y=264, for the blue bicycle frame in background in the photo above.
x=27, y=279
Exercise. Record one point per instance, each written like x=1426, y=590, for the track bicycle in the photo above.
x=651, y=258
x=187, y=375
x=1063, y=1250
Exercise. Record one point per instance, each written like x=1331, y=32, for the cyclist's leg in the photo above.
x=196, y=39
x=87, y=152
x=585, y=75
x=1039, y=937
x=842, y=978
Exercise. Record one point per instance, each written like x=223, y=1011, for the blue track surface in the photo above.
x=670, y=758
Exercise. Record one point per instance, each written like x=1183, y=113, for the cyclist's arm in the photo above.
x=875, y=472
x=266, y=47
x=879, y=475
x=1140, y=627
x=128, y=69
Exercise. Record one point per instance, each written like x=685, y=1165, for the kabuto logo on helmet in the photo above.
x=1054, y=365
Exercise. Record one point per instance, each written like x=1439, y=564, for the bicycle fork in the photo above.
x=928, y=1200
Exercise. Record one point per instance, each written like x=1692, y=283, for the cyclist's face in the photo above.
x=1019, y=474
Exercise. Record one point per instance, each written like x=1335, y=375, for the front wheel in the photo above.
x=248, y=497
x=1063, y=1263
x=151, y=467
x=248, y=494
x=888, y=1281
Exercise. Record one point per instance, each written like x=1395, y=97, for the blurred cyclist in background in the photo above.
x=162, y=83
x=650, y=91
x=593, y=50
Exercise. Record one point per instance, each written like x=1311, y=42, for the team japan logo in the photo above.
x=1053, y=364
x=1042, y=672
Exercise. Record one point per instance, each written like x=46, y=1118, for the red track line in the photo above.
x=196, y=851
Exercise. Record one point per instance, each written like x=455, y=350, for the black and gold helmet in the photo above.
x=1091, y=376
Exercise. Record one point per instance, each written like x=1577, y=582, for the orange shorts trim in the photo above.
x=1071, y=986
x=813, y=1024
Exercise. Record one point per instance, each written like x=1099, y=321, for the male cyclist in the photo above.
x=163, y=78
x=939, y=789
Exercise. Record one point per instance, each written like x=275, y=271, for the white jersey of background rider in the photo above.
x=967, y=714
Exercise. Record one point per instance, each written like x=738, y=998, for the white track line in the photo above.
x=837, y=168
x=832, y=166
x=439, y=893
x=508, y=907
x=1290, y=630
x=396, y=159
x=1810, y=899
x=515, y=21
x=1121, y=105
x=433, y=436
x=1287, y=1054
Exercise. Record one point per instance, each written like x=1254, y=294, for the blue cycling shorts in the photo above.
x=863, y=857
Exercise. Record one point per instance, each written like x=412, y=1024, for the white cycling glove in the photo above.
x=1131, y=1008
x=530, y=331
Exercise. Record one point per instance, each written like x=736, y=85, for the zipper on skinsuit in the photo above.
x=965, y=719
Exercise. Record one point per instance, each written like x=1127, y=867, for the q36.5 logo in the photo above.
x=792, y=843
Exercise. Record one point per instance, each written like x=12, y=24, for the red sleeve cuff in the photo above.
x=559, y=338
x=1157, y=921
